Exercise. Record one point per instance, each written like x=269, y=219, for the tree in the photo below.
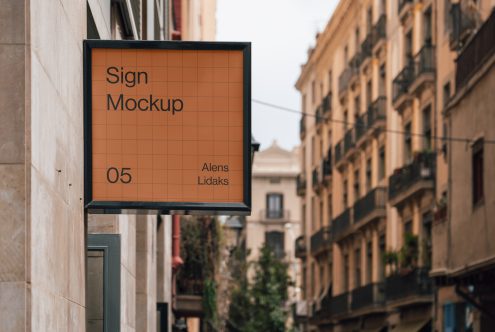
x=260, y=306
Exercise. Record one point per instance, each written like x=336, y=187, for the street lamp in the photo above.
x=255, y=147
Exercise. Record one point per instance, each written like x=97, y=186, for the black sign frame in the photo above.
x=118, y=207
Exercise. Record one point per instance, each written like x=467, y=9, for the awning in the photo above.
x=414, y=326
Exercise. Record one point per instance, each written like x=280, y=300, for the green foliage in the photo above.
x=406, y=258
x=260, y=306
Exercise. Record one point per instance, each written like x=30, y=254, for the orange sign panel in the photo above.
x=168, y=126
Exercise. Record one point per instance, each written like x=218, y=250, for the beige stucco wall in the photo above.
x=471, y=228
x=275, y=163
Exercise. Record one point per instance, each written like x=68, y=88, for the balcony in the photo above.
x=300, y=247
x=302, y=127
x=416, y=286
x=344, y=81
x=404, y=7
x=327, y=166
x=342, y=224
x=377, y=113
x=424, y=68
x=327, y=104
x=371, y=206
x=338, y=151
x=316, y=179
x=379, y=31
x=370, y=296
x=367, y=47
x=319, y=116
x=476, y=53
x=401, y=84
x=321, y=240
x=274, y=215
x=355, y=64
x=339, y=304
x=301, y=185
x=412, y=179
x=361, y=126
x=349, y=141
x=464, y=23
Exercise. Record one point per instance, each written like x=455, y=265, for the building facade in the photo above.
x=275, y=216
x=60, y=269
x=374, y=167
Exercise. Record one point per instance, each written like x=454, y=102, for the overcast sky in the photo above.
x=281, y=32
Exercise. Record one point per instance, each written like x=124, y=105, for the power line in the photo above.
x=351, y=124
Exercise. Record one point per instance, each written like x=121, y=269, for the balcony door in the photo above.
x=274, y=206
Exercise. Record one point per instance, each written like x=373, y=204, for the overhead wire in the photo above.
x=351, y=124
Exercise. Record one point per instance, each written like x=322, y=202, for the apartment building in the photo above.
x=60, y=269
x=275, y=216
x=374, y=164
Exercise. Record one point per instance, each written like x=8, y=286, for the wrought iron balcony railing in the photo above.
x=275, y=214
x=375, y=200
x=319, y=115
x=379, y=30
x=321, y=239
x=422, y=168
x=368, y=295
x=366, y=46
x=301, y=185
x=300, y=247
x=327, y=103
x=302, y=126
x=339, y=304
x=327, y=165
x=361, y=126
x=349, y=140
x=339, y=151
x=402, y=82
x=376, y=111
x=341, y=223
x=424, y=61
x=415, y=283
x=315, y=178
x=464, y=24
x=477, y=52
x=345, y=79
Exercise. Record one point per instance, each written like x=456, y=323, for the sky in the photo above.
x=281, y=31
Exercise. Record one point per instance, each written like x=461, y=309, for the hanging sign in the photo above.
x=167, y=126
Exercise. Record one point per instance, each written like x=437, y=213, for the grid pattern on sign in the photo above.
x=168, y=156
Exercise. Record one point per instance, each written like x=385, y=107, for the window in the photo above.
x=408, y=56
x=368, y=93
x=368, y=175
x=357, y=187
x=477, y=170
x=357, y=262
x=408, y=227
x=322, y=278
x=330, y=207
x=427, y=128
x=427, y=27
x=383, y=7
x=330, y=81
x=346, y=123
x=321, y=213
x=382, y=86
x=357, y=41
x=275, y=241
x=162, y=316
x=357, y=107
x=369, y=19
x=103, y=282
x=313, y=279
x=313, y=152
x=346, y=55
x=446, y=94
x=313, y=214
x=346, y=273
x=304, y=282
x=427, y=222
x=444, y=140
x=345, y=195
x=381, y=248
x=447, y=21
x=407, y=143
x=313, y=92
x=381, y=163
x=274, y=206
x=369, y=262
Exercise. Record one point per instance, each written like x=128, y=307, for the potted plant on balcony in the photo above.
x=391, y=259
x=408, y=256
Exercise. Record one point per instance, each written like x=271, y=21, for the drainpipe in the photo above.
x=176, y=260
